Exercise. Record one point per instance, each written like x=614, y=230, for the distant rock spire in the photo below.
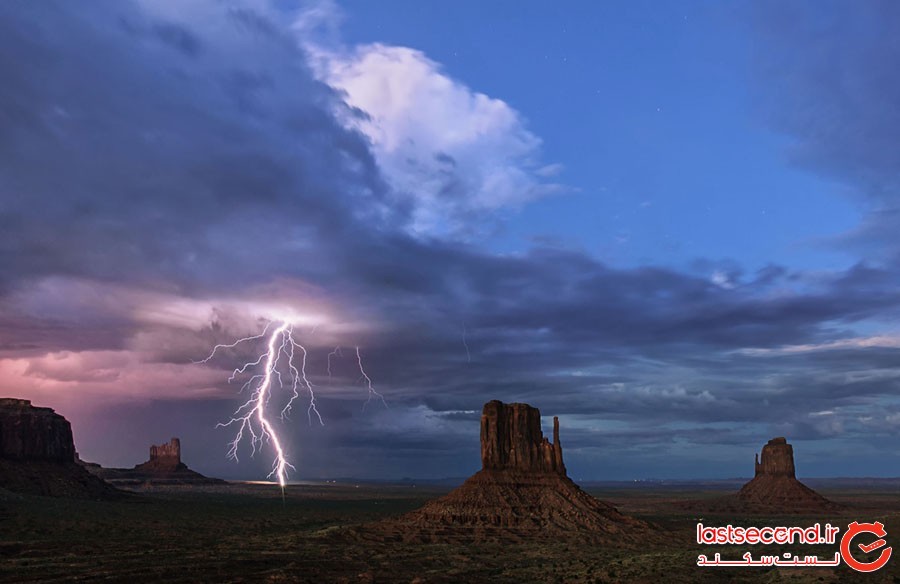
x=169, y=454
x=165, y=457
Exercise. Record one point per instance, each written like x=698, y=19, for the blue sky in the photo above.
x=655, y=112
x=670, y=224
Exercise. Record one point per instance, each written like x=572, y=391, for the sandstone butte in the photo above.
x=521, y=492
x=775, y=484
x=163, y=467
x=165, y=458
x=37, y=454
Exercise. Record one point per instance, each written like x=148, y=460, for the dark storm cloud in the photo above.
x=828, y=72
x=125, y=160
x=833, y=86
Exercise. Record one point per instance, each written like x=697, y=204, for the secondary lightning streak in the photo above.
x=372, y=391
x=336, y=352
x=363, y=375
x=465, y=344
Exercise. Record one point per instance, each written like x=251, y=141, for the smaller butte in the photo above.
x=163, y=467
x=775, y=483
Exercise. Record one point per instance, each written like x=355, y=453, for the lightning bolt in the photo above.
x=250, y=418
x=335, y=353
x=372, y=392
x=363, y=376
x=465, y=344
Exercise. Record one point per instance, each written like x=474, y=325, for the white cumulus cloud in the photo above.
x=455, y=155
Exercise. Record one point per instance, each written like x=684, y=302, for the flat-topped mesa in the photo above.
x=777, y=459
x=29, y=433
x=511, y=439
x=37, y=454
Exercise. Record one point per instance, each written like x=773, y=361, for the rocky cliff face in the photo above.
x=511, y=439
x=29, y=433
x=521, y=492
x=37, y=454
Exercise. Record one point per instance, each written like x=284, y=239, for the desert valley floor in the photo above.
x=243, y=532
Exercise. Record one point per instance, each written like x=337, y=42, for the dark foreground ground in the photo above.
x=247, y=533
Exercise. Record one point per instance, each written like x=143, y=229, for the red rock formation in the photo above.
x=164, y=456
x=170, y=452
x=775, y=485
x=37, y=454
x=32, y=433
x=777, y=459
x=521, y=492
x=511, y=439
x=163, y=467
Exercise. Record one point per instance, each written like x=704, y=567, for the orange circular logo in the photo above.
x=876, y=529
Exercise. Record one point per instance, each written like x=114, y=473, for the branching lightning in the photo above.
x=251, y=417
